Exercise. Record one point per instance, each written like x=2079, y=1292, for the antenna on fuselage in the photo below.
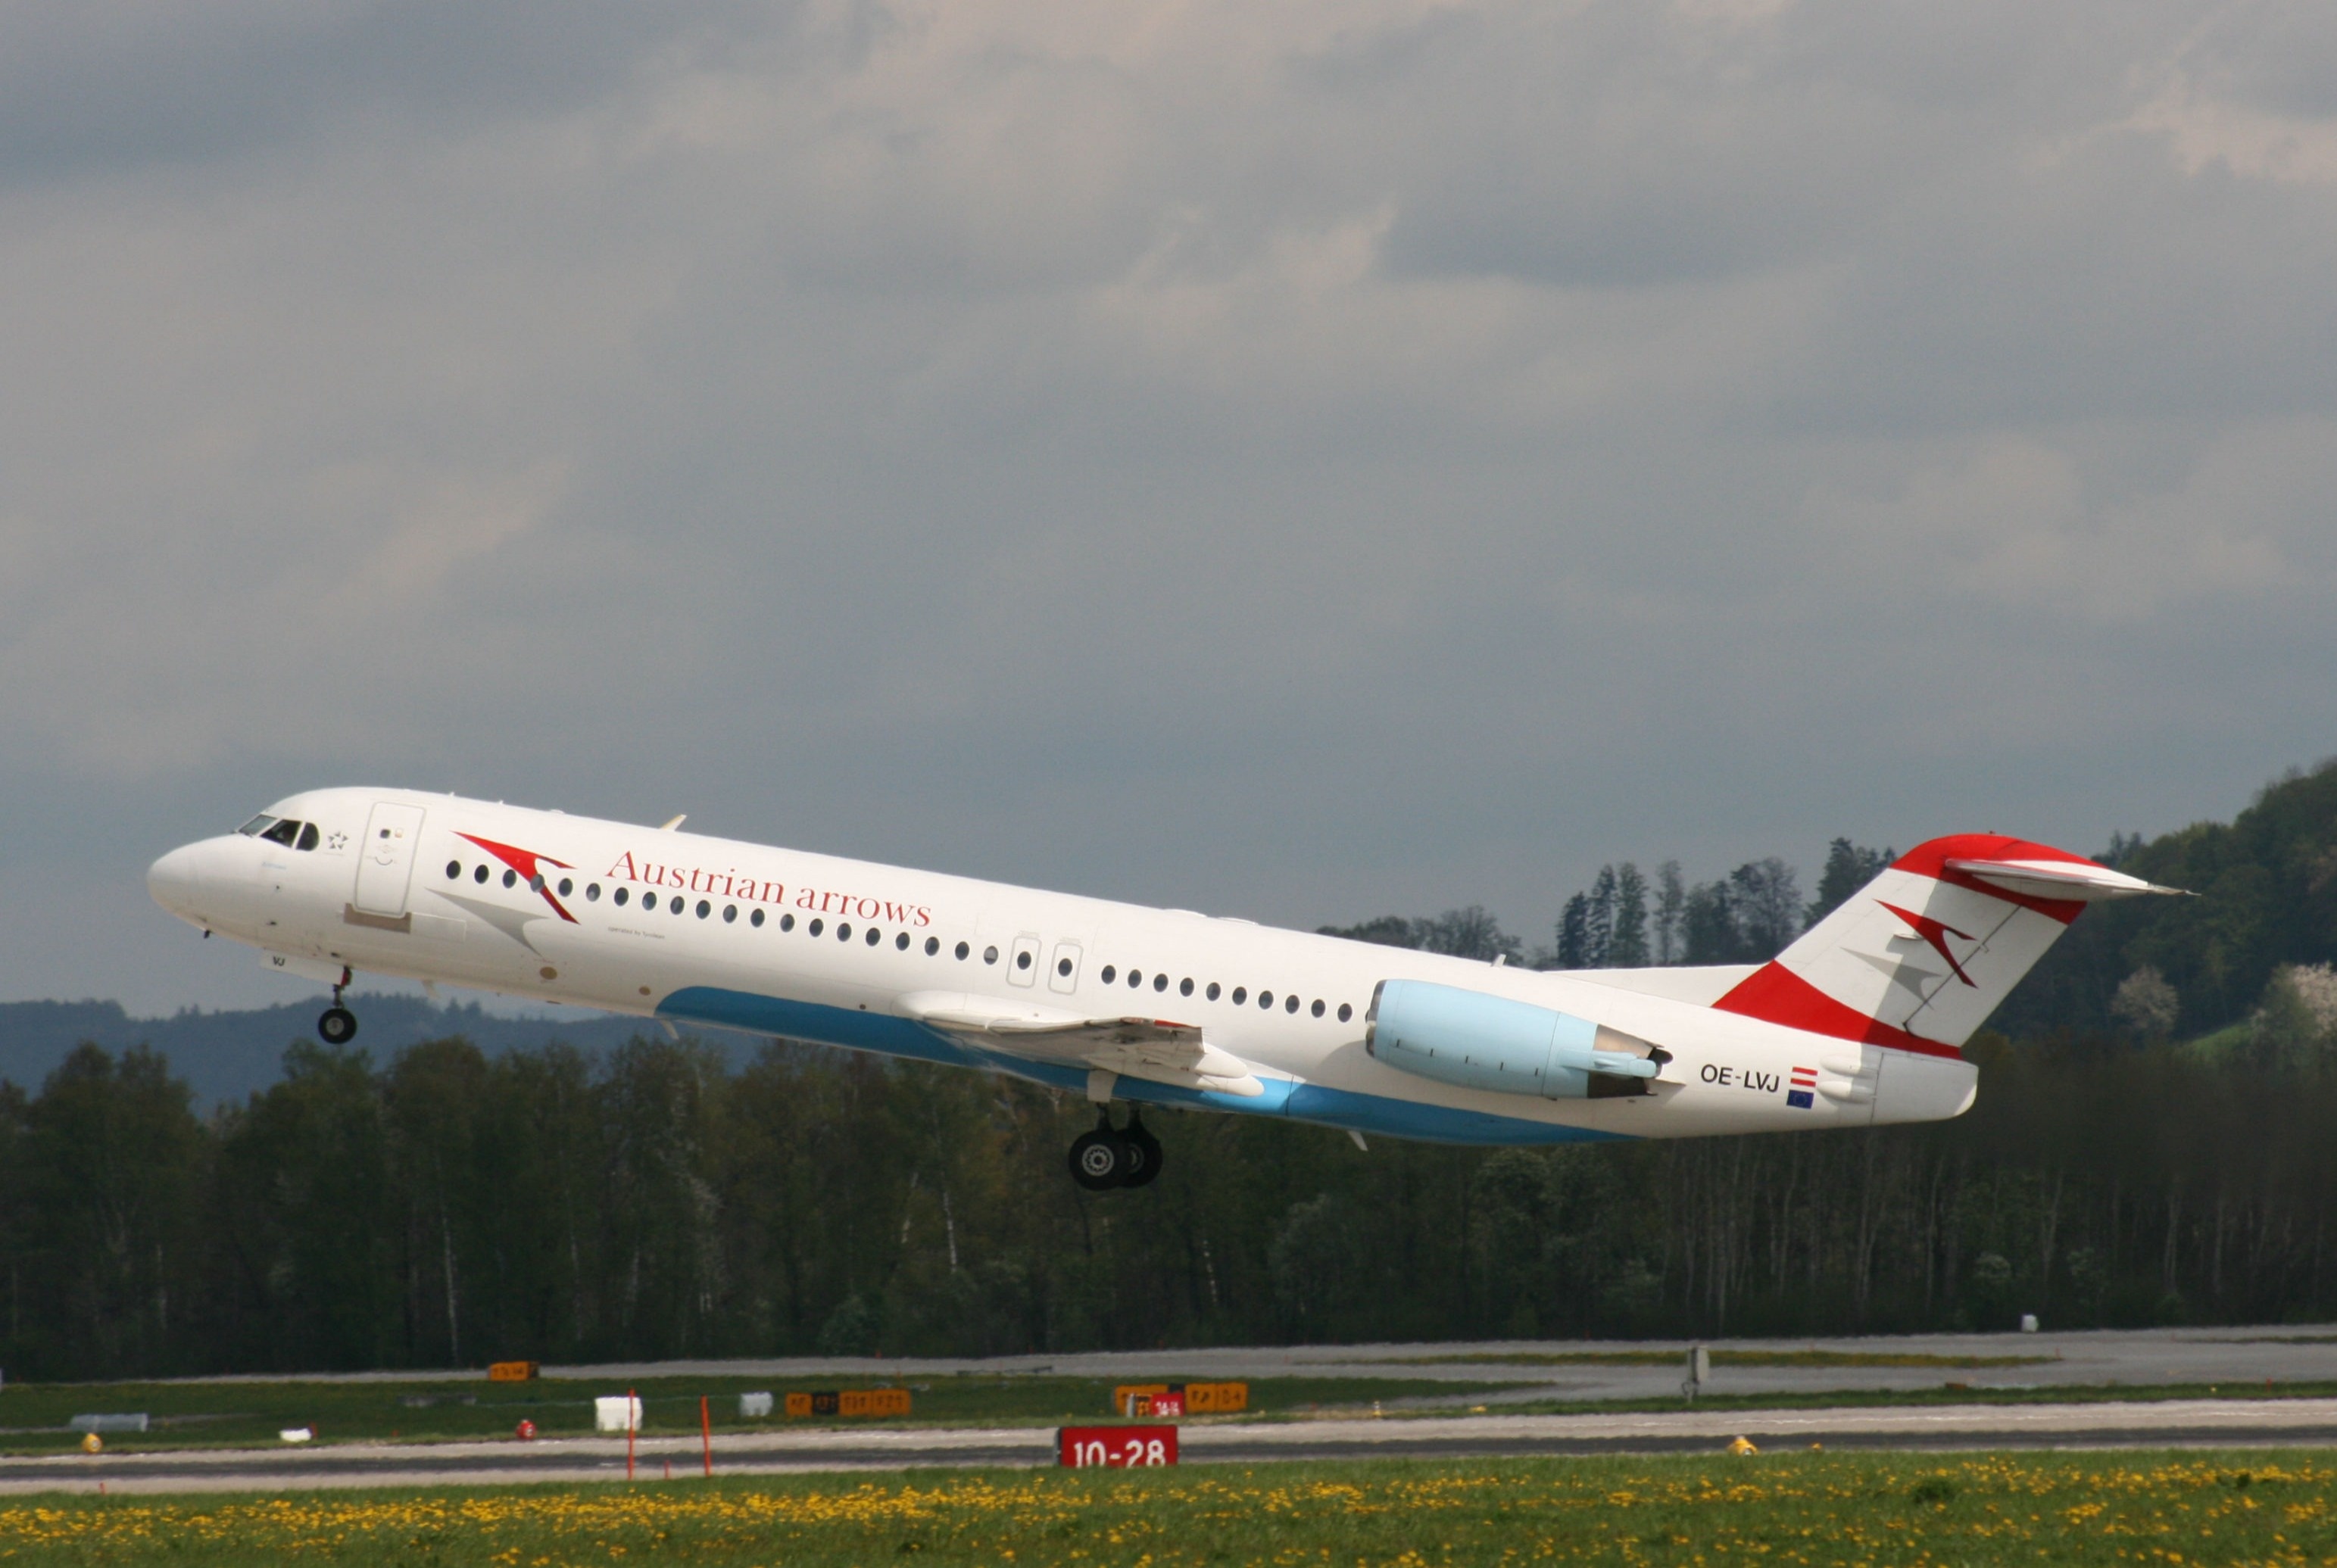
x=675, y=824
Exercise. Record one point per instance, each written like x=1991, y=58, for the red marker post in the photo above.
x=1115, y=1447
x=632, y=1421
x=705, y=1433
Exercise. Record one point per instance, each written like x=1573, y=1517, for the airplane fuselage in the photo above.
x=720, y=933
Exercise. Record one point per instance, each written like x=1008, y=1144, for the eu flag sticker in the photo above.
x=1798, y=1098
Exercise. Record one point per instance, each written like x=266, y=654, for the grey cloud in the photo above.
x=1297, y=464
x=120, y=85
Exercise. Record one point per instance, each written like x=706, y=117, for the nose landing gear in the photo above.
x=336, y=1026
x=1108, y=1157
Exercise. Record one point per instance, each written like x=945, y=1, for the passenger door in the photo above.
x=1063, y=973
x=386, y=865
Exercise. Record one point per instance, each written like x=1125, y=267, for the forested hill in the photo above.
x=225, y=1056
x=2267, y=897
x=2267, y=887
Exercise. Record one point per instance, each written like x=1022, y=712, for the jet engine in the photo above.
x=1485, y=1042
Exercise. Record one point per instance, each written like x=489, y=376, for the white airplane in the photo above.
x=1859, y=1022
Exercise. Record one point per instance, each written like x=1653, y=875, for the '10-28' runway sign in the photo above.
x=1115, y=1447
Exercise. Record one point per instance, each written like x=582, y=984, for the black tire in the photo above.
x=1143, y=1155
x=337, y=1026
x=1099, y=1160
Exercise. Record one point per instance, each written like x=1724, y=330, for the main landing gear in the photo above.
x=336, y=1026
x=1107, y=1158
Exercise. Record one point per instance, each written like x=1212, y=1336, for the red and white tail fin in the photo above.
x=1921, y=956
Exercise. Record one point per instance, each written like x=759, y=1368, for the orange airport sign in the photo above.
x=850, y=1402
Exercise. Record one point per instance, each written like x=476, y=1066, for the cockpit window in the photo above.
x=308, y=836
x=256, y=826
x=284, y=832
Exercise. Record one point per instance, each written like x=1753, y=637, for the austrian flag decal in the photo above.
x=1805, y=1081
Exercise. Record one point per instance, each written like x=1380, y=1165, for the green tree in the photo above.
x=1848, y=868
x=1628, y=948
x=117, y=1165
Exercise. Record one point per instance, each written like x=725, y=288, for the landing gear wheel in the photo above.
x=337, y=1026
x=1101, y=1159
x=1143, y=1151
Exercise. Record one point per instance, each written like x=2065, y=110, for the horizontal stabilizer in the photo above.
x=2079, y=879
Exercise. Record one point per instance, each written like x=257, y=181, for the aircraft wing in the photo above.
x=1158, y=1050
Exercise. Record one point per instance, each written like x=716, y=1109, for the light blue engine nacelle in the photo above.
x=1485, y=1042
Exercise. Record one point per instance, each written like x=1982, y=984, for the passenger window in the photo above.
x=454, y=870
x=962, y=950
x=1241, y=995
x=932, y=946
x=1135, y=979
x=705, y=908
x=902, y=941
x=308, y=836
x=283, y=832
x=874, y=936
x=990, y=955
x=1212, y=992
x=729, y=914
x=1290, y=1004
x=1346, y=1012
x=511, y=878
x=479, y=873
x=1064, y=967
x=1266, y=998
x=1184, y=986
x=1109, y=974
x=621, y=895
x=676, y=905
x=566, y=887
x=756, y=918
x=591, y=893
x=1317, y=1008
x=844, y=930
x=787, y=922
x=535, y=882
x=816, y=927
x=1022, y=960
x=1161, y=982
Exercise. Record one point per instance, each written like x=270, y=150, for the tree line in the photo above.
x=447, y=1209
x=2144, y=1156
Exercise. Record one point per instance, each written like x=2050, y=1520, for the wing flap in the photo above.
x=1158, y=1050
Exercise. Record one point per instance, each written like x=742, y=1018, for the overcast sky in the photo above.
x=1303, y=462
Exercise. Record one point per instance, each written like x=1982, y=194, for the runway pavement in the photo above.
x=2175, y=1423
x=2084, y=1358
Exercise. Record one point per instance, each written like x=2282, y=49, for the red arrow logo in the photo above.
x=1934, y=932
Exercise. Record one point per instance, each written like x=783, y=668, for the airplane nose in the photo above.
x=172, y=881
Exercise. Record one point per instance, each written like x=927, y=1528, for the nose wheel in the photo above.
x=1108, y=1157
x=336, y=1026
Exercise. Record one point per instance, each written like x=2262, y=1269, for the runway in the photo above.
x=1587, y=1370
x=2172, y=1423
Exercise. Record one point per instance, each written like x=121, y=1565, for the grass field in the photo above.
x=33, y=1416
x=1704, y=1512
x=1821, y=1359
x=1947, y=1393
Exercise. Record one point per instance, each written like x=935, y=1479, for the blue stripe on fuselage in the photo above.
x=889, y=1036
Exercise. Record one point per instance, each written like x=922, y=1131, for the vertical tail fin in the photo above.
x=1921, y=956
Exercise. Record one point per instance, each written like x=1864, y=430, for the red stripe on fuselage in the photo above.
x=1775, y=995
